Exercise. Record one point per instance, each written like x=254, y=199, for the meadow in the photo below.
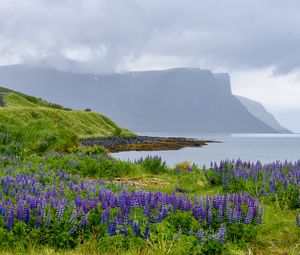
x=57, y=197
x=83, y=201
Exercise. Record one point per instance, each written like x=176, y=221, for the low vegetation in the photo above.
x=81, y=200
x=87, y=202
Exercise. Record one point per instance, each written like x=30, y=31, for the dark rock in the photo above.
x=143, y=143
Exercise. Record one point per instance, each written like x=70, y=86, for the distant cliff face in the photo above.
x=175, y=100
x=259, y=111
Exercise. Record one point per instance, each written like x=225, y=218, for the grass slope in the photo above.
x=40, y=125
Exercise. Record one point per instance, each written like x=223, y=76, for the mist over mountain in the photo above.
x=259, y=111
x=174, y=100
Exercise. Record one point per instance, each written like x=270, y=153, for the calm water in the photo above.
x=263, y=147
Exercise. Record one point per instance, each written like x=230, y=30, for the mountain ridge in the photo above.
x=259, y=111
x=173, y=100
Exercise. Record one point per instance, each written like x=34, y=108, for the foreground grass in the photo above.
x=277, y=235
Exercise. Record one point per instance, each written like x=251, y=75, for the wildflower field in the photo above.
x=83, y=201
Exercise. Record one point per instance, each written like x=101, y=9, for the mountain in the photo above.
x=260, y=112
x=42, y=126
x=174, y=100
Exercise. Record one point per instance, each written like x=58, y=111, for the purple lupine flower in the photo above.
x=196, y=212
x=126, y=217
x=221, y=234
x=272, y=186
x=39, y=216
x=20, y=210
x=38, y=223
x=209, y=215
x=105, y=215
x=160, y=217
x=136, y=228
x=202, y=212
x=73, y=216
x=118, y=218
x=229, y=213
x=147, y=232
x=84, y=207
x=187, y=205
x=207, y=203
x=298, y=220
x=73, y=229
x=112, y=229
x=3, y=210
x=260, y=216
x=43, y=206
x=164, y=212
x=33, y=203
x=216, y=201
x=27, y=214
x=48, y=219
x=84, y=221
x=200, y=235
x=60, y=210
x=236, y=216
x=211, y=238
x=249, y=215
x=78, y=201
x=220, y=213
x=124, y=230
x=10, y=218
x=147, y=211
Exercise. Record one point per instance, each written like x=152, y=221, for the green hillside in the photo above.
x=40, y=125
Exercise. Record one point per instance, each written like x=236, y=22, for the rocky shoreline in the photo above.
x=143, y=143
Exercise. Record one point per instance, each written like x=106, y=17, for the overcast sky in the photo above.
x=256, y=41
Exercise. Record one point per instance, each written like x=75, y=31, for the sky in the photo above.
x=256, y=41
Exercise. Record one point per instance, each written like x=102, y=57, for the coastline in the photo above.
x=143, y=143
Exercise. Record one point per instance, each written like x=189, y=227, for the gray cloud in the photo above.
x=108, y=35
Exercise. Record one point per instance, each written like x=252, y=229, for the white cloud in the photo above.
x=108, y=35
x=233, y=34
x=84, y=53
x=152, y=62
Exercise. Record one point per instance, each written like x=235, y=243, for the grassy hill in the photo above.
x=40, y=125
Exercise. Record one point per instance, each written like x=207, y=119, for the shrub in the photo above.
x=88, y=150
x=185, y=166
x=154, y=165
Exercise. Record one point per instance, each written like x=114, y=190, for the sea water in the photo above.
x=251, y=147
